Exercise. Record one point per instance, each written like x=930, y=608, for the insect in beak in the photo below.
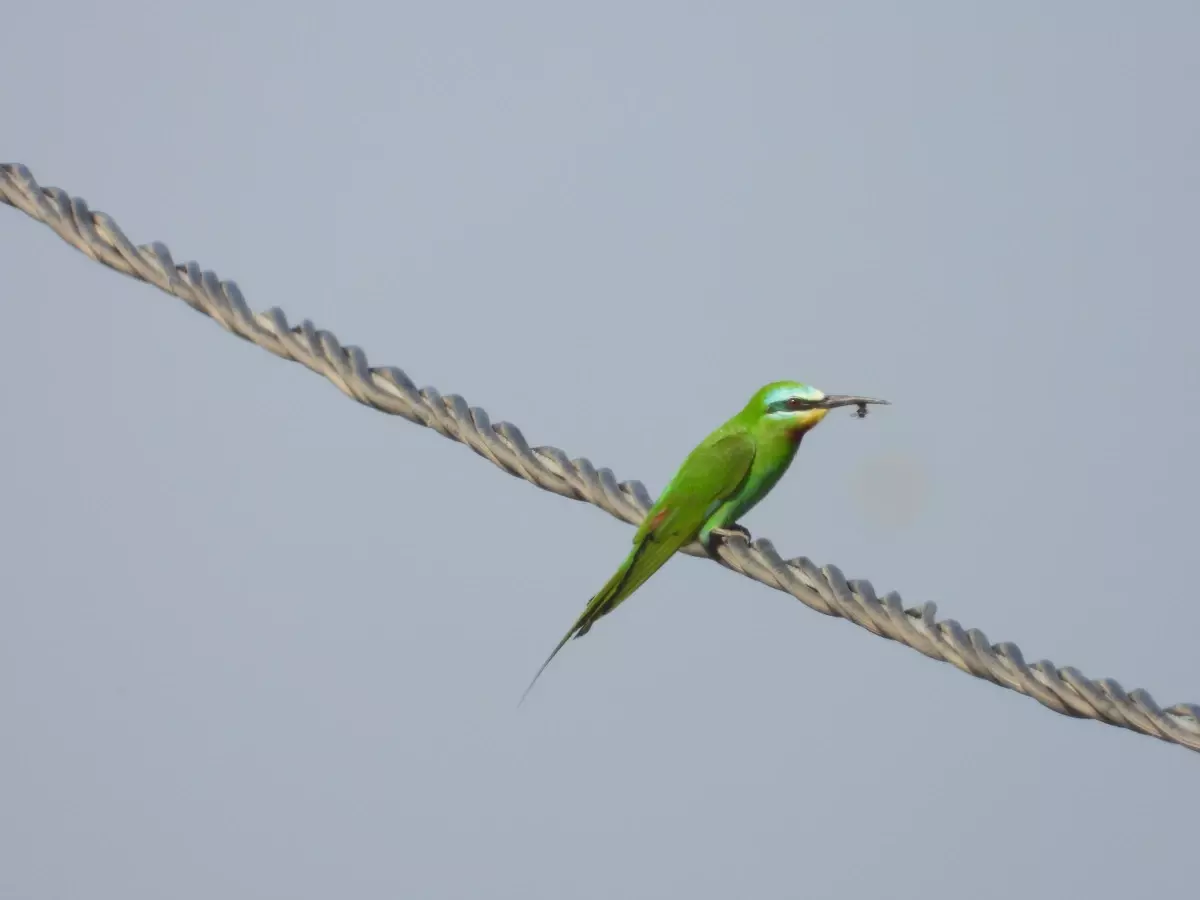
x=833, y=401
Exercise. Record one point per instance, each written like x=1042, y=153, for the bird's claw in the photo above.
x=723, y=534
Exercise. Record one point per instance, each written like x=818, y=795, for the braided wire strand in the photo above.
x=825, y=589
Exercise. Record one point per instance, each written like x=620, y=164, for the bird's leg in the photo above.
x=724, y=533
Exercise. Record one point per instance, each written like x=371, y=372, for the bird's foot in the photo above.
x=719, y=534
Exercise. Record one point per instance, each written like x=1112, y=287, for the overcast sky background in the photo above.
x=258, y=641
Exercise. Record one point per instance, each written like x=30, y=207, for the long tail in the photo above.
x=645, y=559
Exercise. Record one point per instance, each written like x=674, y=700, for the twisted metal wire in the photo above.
x=825, y=589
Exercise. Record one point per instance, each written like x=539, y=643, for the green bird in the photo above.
x=721, y=480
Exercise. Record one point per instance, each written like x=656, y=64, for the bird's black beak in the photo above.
x=833, y=401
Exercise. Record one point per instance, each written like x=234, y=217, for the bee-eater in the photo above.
x=720, y=481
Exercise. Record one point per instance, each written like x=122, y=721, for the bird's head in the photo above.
x=796, y=408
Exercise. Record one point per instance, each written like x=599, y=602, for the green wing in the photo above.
x=713, y=473
x=710, y=475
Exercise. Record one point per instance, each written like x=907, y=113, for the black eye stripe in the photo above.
x=791, y=404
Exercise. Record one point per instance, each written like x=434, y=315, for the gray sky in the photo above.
x=261, y=642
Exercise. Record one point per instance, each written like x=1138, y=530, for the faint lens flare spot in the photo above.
x=891, y=491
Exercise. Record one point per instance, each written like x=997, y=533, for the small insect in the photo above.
x=861, y=412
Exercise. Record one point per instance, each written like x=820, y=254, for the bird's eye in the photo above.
x=796, y=403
